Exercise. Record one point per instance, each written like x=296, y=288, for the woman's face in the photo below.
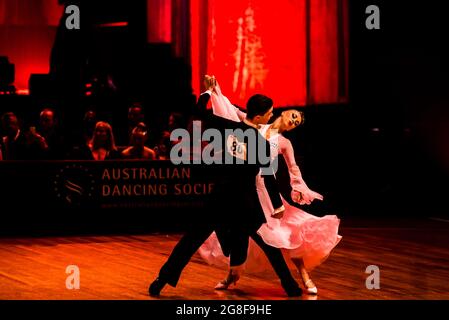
x=101, y=133
x=290, y=119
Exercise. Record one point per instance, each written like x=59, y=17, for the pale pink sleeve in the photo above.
x=296, y=181
x=222, y=107
x=286, y=149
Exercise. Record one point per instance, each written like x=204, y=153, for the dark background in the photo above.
x=384, y=154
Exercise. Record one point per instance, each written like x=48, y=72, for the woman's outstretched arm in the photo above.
x=301, y=193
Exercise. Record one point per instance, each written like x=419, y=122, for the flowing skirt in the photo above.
x=304, y=235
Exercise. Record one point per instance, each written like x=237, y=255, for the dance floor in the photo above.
x=412, y=256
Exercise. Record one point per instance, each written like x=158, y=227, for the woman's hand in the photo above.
x=210, y=82
x=305, y=197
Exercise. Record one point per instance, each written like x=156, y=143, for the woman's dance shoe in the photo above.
x=310, y=287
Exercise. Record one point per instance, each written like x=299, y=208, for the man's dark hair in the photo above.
x=258, y=105
x=136, y=105
x=48, y=110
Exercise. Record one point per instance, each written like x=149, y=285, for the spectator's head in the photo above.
x=135, y=114
x=10, y=124
x=103, y=137
x=163, y=147
x=139, y=135
x=259, y=109
x=90, y=117
x=47, y=121
x=89, y=122
x=175, y=121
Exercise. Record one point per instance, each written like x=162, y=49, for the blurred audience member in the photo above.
x=124, y=129
x=164, y=145
x=21, y=145
x=100, y=147
x=135, y=116
x=137, y=150
x=49, y=130
x=175, y=121
x=88, y=127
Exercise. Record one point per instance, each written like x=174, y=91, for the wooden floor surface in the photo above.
x=413, y=259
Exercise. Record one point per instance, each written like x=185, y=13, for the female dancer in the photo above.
x=100, y=147
x=309, y=239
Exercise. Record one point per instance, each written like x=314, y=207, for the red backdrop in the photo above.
x=292, y=50
x=27, y=31
x=159, y=22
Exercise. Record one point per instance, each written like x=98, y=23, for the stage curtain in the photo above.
x=159, y=22
x=328, y=51
x=287, y=49
x=27, y=31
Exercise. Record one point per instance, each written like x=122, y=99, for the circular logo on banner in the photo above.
x=74, y=183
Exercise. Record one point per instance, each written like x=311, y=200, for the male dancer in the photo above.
x=273, y=254
x=237, y=211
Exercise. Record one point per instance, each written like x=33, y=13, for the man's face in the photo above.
x=263, y=119
x=139, y=137
x=11, y=126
